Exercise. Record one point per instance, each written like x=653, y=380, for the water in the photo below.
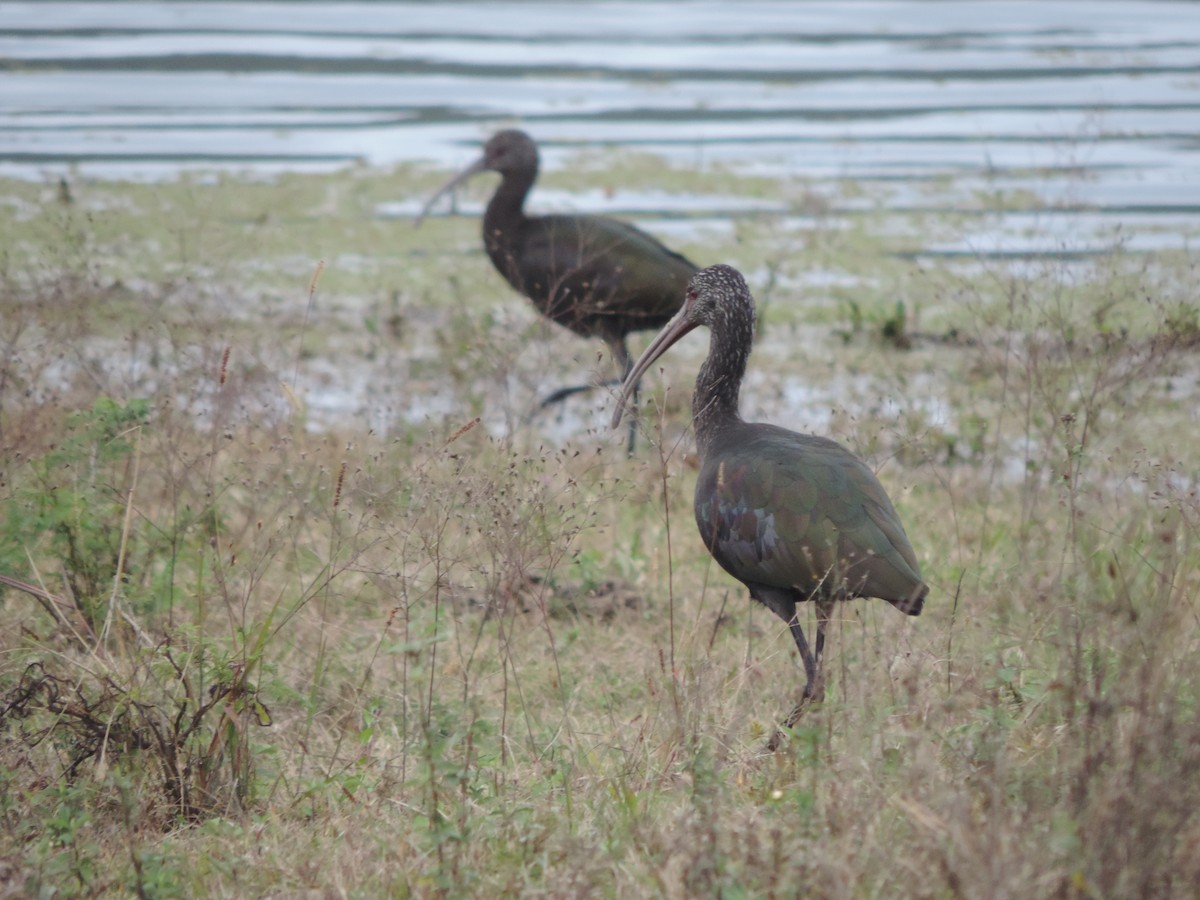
x=1094, y=108
x=1089, y=112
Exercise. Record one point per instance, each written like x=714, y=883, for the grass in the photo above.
x=262, y=635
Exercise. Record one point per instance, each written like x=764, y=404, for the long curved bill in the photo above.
x=671, y=332
x=473, y=169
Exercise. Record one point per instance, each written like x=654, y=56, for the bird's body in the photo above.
x=782, y=511
x=595, y=275
x=792, y=516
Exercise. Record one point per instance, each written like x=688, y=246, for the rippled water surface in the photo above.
x=1093, y=107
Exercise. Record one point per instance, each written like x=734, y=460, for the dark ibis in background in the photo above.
x=792, y=516
x=597, y=276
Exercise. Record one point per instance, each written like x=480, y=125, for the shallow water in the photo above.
x=1089, y=114
x=1093, y=107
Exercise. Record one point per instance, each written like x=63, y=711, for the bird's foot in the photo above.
x=563, y=393
x=779, y=738
x=776, y=741
x=570, y=391
x=814, y=695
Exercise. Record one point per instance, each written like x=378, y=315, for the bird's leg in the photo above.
x=824, y=612
x=620, y=353
x=806, y=656
x=633, y=419
x=814, y=684
x=563, y=393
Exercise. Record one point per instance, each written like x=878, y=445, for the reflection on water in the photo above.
x=1092, y=107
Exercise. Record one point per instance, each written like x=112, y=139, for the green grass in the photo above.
x=261, y=648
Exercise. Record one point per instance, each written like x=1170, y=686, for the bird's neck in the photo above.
x=505, y=211
x=715, y=401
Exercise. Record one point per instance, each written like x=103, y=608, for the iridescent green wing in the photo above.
x=802, y=512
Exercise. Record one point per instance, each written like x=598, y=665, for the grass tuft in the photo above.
x=297, y=596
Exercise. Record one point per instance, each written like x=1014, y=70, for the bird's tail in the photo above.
x=914, y=602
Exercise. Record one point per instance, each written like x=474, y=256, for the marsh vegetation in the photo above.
x=299, y=599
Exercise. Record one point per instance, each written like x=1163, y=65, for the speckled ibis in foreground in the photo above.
x=792, y=516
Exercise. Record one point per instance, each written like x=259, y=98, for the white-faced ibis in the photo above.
x=792, y=516
x=597, y=276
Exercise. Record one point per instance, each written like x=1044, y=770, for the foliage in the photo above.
x=257, y=641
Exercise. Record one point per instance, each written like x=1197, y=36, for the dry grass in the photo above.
x=460, y=654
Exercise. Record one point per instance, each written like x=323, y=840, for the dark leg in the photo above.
x=806, y=656
x=824, y=611
x=814, y=686
x=563, y=393
x=633, y=420
x=621, y=355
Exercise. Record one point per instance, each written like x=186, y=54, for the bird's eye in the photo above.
x=692, y=295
